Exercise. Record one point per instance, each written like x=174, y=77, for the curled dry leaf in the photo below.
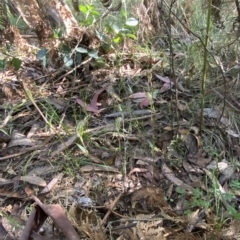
x=165, y=87
x=92, y=107
x=56, y=213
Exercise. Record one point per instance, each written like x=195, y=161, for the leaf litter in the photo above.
x=152, y=176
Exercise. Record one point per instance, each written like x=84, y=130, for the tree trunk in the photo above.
x=45, y=15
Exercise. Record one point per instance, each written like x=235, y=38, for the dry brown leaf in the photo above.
x=11, y=194
x=92, y=107
x=170, y=175
x=56, y=213
x=165, y=87
x=51, y=184
x=44, y=170
x=34, y=180
x=138, y=95
x=5, y=181
x=192, y=143
x=98, y=168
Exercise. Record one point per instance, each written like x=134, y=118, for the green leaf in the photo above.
x=116, y=39
x=2, y=64
x=132, y=22
x=16, y=62
x=116, y=28
x=125, y=31
x=93, y=54
x=67, y=62
x=41, y=53
x=90, y=7
x=83, y=9
x=180, y=190
x=83, y=149
x=66, y=49
x=101, y=36
x=57, y=33
x=106, y=47
x=95, y=13
x=130, y=35
x=81, y=50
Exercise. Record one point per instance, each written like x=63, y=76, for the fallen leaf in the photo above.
x=92, y=107
x=164, y=79
x=192, y=143
x=56, y=213
x=138, y=95
x=34, y=180
x=165, y=87
x=145, y=102
x=5, y=181
x=98, y=168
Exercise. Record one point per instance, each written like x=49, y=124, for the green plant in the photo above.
x=196, y=200
x=90, y=14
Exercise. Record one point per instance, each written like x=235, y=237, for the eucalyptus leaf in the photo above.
x=101, y=36
x=132, y=22
x=116, y=28
x=93, y=54
x=68, y=62
x=81, y=50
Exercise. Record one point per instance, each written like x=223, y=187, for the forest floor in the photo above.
x=115, y=151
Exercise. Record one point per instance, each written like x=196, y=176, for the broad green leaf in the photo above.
x=81, y=50
x=101, y=36
x=66, y=49
x=93, y=54
x=83, y=9
x=41, y=53
x=132, y=22
x=67, y=62
x=95, y=13
x=116, y=39
x=16, y=62
x=116, y=28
